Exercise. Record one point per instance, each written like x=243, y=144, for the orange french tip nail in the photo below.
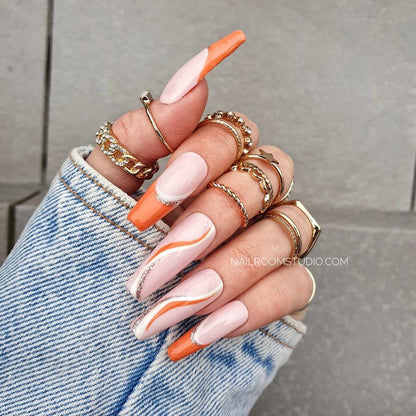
x=183, y=347
x=148, y=210
x=221, y=49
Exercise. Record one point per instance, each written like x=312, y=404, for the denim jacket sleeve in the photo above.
x=66, y=347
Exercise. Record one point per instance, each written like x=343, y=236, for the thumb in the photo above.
x=134, y=132
x=183, y=102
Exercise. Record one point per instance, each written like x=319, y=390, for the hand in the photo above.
x=240, y=283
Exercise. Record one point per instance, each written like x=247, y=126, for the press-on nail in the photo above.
x=184, y=243
x=215, y=326
x=188, y=297
x=198, y=67
x=174, y=185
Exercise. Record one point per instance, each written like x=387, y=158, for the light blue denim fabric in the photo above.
x=66, y=347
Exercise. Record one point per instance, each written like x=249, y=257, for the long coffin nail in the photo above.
x=184, y=243
x=174, y=185
x=198, y=67
x=215, y=326
x=185, y=299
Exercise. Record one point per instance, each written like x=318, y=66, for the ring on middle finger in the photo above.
x=268, y=158
x=264, y=182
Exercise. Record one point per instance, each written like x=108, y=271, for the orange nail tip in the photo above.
x=183, y=347
x=148, y=210
x=221, y=49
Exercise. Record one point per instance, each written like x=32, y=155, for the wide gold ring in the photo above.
x=316, y=228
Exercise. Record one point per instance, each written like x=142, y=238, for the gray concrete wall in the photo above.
x=331, y=82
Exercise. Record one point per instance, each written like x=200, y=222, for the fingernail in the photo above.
x=174, y=185
x=184, y=243
x=185, y=299
x=198, y=67
x=215, y=326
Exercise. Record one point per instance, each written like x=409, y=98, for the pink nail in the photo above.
x=183, y=244
x=174, y=185
x=194, y=70
x=181, y=178
x=185, y=299
x=215, y=326
x=220, y=323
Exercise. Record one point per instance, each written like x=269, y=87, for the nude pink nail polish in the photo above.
x=184, y=243
x=198, y=67
x=185, y=299
x=173, y=186
x=215, y=326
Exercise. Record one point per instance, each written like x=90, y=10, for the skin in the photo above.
x=269, y=291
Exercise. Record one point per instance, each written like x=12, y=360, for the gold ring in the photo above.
x=146, y=98
x=235, y=198
x=264, y=182
x=313, y=290
x=291, y=227
x=316, y=228
x=268, y=158
x=120, y=156
x=231, y=129
x=239, y=122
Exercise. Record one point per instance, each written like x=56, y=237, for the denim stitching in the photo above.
x=103, y=216
x=291, y=326
x=107, y=190
x=276, y=339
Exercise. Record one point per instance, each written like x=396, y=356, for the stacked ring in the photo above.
x=264, y=182
x=239, y=122
x=268, y=157
x=120, y=156
x=231, y=129
x=292, y=230
x=316, y=228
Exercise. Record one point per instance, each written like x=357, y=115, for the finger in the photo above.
x=192, y=166
x=207, y=222
x=226, y=274
x=175, y=121
x=278, y=294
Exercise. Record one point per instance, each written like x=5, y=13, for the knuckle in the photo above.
x=242, y=255
x=280, y=298
x=124, y=127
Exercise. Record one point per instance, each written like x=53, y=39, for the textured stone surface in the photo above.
x=24, y=211
x=4, y=222
x=358, y=357
x=9, y=197
x=22, y=49
x=332, y=83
